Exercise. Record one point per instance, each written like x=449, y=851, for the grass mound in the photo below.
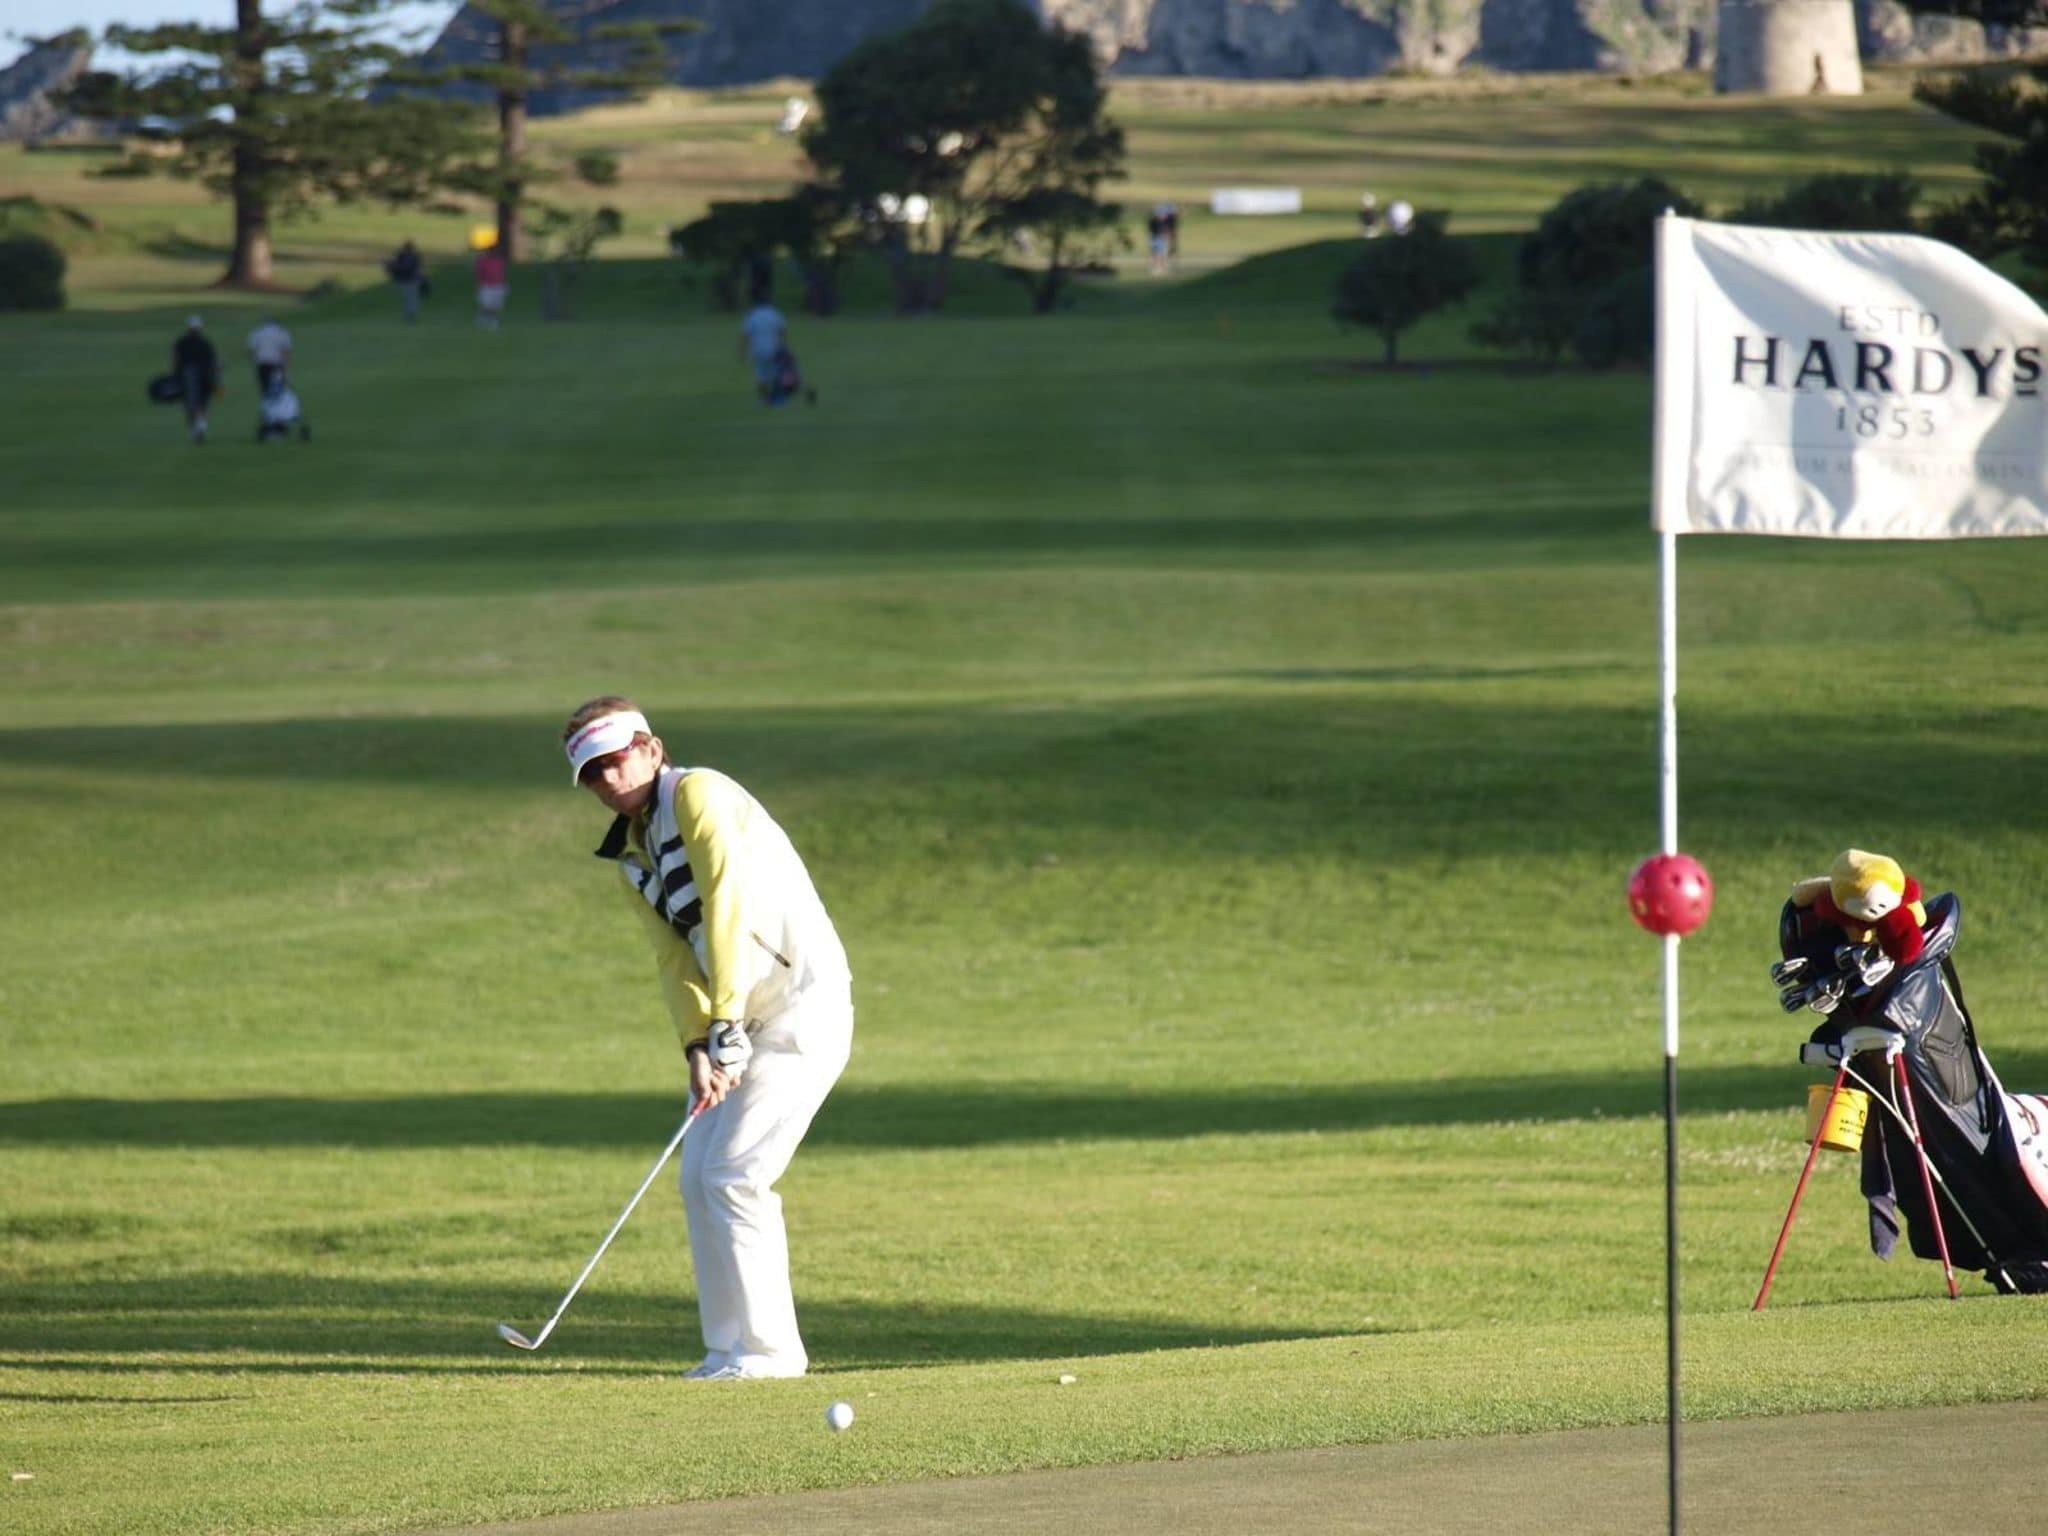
x=69, y=229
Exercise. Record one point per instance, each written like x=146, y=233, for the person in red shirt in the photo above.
x=491, y=287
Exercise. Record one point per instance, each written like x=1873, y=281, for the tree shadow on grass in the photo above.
x=1382, y=776
x=176, y=245
x=372, y=1324
x=897, y=1117
x=805, y=544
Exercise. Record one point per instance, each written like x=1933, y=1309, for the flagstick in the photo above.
x=1667, y=780
x=1673, y=414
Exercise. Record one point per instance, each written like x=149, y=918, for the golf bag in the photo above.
x=1988, y=1149
x=166, y=389
x=785, y=379
x=278, y=413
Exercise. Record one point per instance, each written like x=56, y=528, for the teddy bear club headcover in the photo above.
x=1872, y=900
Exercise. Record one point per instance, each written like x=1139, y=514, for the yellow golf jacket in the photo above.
x=737, y=927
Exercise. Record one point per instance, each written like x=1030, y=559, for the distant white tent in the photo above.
x=1255, y=200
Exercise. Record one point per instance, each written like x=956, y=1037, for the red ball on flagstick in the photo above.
x=1670, y=893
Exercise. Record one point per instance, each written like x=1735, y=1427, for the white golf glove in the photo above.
x=729, y=1047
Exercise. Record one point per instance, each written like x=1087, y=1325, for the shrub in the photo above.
x=1593, y=234
x=1620, y=322
x=1538, y=320
x=1401, y=278
x=1846, y=202
x=1585, y=275
x=31, y=273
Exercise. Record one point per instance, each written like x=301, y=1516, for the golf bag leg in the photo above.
x=1799, y=1191
x=1905, y=1090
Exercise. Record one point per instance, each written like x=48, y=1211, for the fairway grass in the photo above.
x=393, y=1444
x=1223, y=761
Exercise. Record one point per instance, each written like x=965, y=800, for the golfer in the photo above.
x=764, y=334
x=197, y=368
x=270, y=349
x=758, y=986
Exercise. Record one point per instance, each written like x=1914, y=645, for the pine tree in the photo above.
x=532, y=45
x=276, y=113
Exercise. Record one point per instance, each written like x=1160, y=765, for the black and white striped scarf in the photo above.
x=668, y=885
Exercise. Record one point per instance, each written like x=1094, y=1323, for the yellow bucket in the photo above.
x=1840, y=1122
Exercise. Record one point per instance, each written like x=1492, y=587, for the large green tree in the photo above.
x=274, y=113
x=2009, y=209
x=961, y=127
x=554, y=45
x=1053, y=212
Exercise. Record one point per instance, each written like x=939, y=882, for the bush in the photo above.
x=1585, y=275
x=1846, y=203
x=31, y=273
x=1538, y=320
x=1401, y=278
x=1620, y=322
x=1594, y=234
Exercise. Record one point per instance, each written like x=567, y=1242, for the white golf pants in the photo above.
x=731, y=1160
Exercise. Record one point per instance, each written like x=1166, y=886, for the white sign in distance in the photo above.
x=1255, y=200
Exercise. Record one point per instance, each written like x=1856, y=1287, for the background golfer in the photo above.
x=758, y=985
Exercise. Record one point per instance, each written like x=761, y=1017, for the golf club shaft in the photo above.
x=661, y=1162
x=1940, y=1183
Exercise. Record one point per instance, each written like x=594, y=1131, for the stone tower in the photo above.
x=1788, y=48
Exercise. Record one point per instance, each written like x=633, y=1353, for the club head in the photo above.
x=515, y=1338
x=1785, y=972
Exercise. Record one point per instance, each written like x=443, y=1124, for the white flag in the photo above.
x=1844, y=386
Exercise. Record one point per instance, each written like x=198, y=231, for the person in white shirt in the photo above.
x=270, y=349
x=757, y=985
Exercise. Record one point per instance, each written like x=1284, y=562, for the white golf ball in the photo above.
x=840, y=1416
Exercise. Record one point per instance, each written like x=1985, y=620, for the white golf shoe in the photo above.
x=747, y=1368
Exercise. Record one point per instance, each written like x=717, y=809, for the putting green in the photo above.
x=1749, y=1477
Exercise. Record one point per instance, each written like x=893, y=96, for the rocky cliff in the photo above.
x=26, y=85
x=751, y=40
x=738, y=41
x=1297, y=38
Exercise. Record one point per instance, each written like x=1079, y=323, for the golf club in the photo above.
x=519, y=1340
x=1885, y=1103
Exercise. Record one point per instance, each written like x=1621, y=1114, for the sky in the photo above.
x=21, y=19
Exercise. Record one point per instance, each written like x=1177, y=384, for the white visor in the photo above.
x=607, y=733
